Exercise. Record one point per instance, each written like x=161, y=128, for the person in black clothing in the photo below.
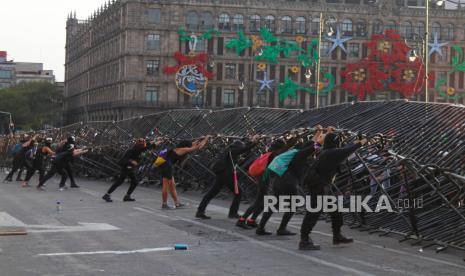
x=288, y=185
x=129, y=164
x=59, y=164
x=37, y=156
x=70, y=142
x=224, y=169
x=19, y=159
x=318, y=182
x=174, y=156
x=277, y=147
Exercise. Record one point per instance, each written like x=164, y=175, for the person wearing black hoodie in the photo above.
x=70, y=143
x=318, y=182
x=19, y=158
x=288, y=185
x=129, y=164
x=37, y=156
x=224, y=170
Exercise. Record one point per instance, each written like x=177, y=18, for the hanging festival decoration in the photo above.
x=257, y=43
x=287, y=47
x=191, y=75
x=458, y=65
x=363, y=78
x=261, y=66
x=337, y=42
x=458, y=62
x=300, y=39
x=388, y=48
x=265, y=84
x=310, y=57
x=409, y=78
x=289, y=89
x=295, y=69
x=324, y=89
x=436, y=46
x=240, y=44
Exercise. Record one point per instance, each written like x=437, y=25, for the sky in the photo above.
x=35, y=30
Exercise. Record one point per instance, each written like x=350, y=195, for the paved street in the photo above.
x=91, y=237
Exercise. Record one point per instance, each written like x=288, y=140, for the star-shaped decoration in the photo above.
x=338, y=42
x=436, y=46
x=265, y=83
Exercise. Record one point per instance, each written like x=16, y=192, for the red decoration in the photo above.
x=362, y=78
x=198, y=60
x=387, y=61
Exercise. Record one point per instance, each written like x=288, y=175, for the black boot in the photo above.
x=107, y=198
x=74, y=186
x=234, y=216
x=128, y=198
x=340, y=239
x=201, y=215
x=262, y=232
x=308, y=245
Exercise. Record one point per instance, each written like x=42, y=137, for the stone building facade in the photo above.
x=115, y=58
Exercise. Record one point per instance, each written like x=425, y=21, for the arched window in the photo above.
x=223, y=22
x=361, y=28
x=207, y=20
x=300, y=27
x=378, y=27
x=347, y=27
x=255, y=23
x=406, y=30
x=286, y=24
x=331, y=25
x=391, y=25
x=315, y=26
x=192, y=20
x=270, y=23
x=448, y=32
x=436, y=28
x=238, y=22
x=421, y=29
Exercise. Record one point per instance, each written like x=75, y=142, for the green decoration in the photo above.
x=267, y=36
x=328, y=88
x=240, y=44
x=183, y=35
x=269, y=54
x=290, y=46
x=209, y=34
x=310, y=58
x=444, y=93
x=289, y=89
x=458, y=64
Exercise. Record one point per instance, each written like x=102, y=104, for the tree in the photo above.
x=33, y=104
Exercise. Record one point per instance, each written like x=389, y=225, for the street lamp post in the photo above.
x=318, y=64
x=426, y=52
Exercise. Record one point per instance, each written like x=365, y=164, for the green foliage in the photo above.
x=240, y=44
x=32, y=104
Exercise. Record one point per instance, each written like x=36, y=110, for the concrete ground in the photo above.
x=91, y=237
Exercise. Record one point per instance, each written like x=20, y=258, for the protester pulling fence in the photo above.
x=416, y=154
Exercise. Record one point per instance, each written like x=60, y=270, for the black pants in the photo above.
x=56, y=168
x=311, y=218
x=18, y=164
x=36, y=166
x=257, y=207
x=287, y=185
x=222, y=179
x=69, y=172
x=125, y=172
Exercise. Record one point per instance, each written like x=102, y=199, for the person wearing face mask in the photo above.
x=36, y=157
x=129, y=164
x=70, y=142
x=318, y=182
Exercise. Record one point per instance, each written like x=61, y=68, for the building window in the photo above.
x=261, y=99
x=229, y=98
x=378, y=27
x=325, y=46
x=153, y=42
x=153, y=67
x=200, y=47
x=238, y=22
x=270, y=23
x=230, y=71
x=391, y=25
x=255, y=23
x=154, y=16
x=436, y=28
x=444, y=57
x=354, y=50
x=361, y=28
x=448, y=32
x=347, y=27
x=223, y=22
x=406, y=30
x=300, y=27
x=286, y=25
x=315, y=26
x=192, y=20
x=5, y=74
x=421, y=29
x=151, y=94
x=207, y=21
